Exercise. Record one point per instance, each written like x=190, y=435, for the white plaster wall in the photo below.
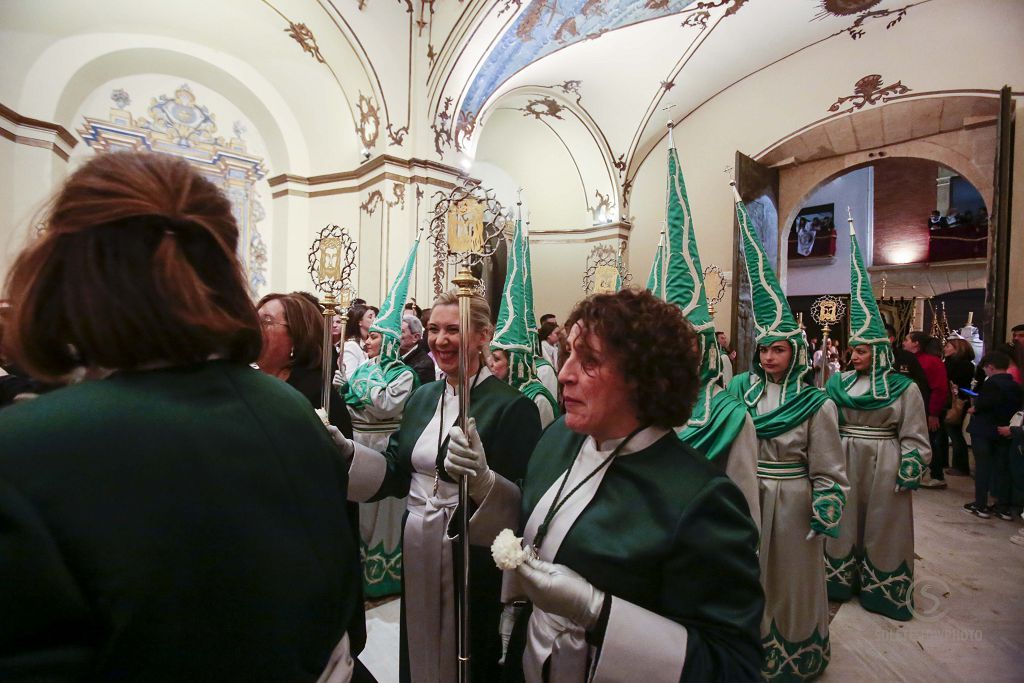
x=852, y=190
x=558, y=276
x=33, y=173
x=533, y=156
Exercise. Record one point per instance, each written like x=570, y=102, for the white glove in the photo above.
x=466, y=458
x=509, y=614
x=556, y=589
x=337, y=380
x=344, y=444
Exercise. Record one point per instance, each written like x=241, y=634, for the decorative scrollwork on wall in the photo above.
x=869, y=90
x=492, y=216
x=369, y=122
x=373, y=200
x=570, y=88
x=543, y=106
x=306, y=40
x=442, y=133
x=398, y=196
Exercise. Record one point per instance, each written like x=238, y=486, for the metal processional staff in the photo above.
x=468, y=241
x=332, y=260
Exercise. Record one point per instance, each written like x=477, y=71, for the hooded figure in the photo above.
x=884, y=434
x=801, y=476
x=512, y=333
x=376, y=397
x=719, y=426
x=546, y=373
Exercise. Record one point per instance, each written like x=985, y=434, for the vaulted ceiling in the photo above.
x=422, y=77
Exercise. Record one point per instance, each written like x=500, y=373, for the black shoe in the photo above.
x=1004, y=515
x=972, y=509
x=956, y=473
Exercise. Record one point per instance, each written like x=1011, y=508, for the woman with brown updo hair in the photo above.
x=634, y=534
x=182, y=518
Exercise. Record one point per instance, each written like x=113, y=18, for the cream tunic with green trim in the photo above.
x=380, y=523
x=874, y=553
x=794, y=630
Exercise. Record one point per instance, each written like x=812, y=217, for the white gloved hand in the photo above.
x=344, y=444
x=466, y=458
x=506, y=624
x=337, y=379
x=556, y=589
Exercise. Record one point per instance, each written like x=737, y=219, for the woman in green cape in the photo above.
x=645, y=566
x=884, y=434
x=507, y=426
x=801, y=472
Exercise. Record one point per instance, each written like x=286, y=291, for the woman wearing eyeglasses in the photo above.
x=293, y=330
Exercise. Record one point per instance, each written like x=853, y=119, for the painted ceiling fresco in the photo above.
x=546, y=26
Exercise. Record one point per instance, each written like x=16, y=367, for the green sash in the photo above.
x=789, y=415
x=725, y=420
x=838, y=388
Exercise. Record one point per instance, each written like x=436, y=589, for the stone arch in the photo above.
x=964, y=149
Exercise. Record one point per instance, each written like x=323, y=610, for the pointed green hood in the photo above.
x=512, y=331
x=684, y=285
x=384, y=369
x=773, y=319
x=389, y=320
x=656, y=279
x=867, y=327
x=531, y=316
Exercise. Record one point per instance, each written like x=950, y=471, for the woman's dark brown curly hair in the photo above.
x=653, y=345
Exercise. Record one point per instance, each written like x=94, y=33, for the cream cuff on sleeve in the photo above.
x=639, y=645
x=497, y=511
x=366, y=473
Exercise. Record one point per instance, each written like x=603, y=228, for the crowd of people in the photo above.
x=173, y=508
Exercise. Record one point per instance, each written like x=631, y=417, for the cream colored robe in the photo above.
x=874, y=552
x=794, y=629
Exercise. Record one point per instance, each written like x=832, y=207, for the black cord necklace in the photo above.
x=558, y=503
x=440, y=426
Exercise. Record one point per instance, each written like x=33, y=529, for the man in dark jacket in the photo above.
x=412, y=351
x=998, y=400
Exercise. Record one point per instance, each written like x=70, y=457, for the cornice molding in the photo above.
x=365, y=169
x=597, y=233
x=23, y=130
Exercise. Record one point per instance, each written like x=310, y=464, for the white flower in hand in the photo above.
x=507, y=550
